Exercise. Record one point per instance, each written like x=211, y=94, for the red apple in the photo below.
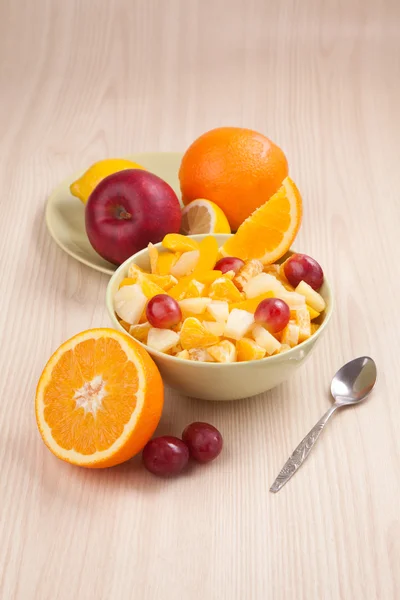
x=129, y=209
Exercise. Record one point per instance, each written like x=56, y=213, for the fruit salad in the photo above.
x=198, y=306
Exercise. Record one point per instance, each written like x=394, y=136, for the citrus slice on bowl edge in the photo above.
x=269, y=232
x=99, y=399
x=203, y=216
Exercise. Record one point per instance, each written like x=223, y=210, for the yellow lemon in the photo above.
x=84, y=186
x=204, y=216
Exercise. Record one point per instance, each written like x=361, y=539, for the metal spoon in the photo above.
x=351, y=384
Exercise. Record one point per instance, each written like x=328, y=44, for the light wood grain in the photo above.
x=82, y=80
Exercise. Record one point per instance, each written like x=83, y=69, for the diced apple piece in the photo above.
x=302, y=318
x=238, y=324
x=129, y=303
x=312, y=297
x=186, y=263
x=223, y=352
x=265, y=339
x=183, y=354
x=219, y=310
x=200, y=355
x=140, y=331
x=262, y=283
x=194, y=305
x=293, y=300
x=162, y=339
x=290, y=335
x=215, y=327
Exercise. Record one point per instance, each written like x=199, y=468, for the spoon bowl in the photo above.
x=354, y=381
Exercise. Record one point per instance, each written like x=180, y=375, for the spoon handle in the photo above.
x=302, y=451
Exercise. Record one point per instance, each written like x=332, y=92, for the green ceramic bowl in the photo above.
x=215, y=381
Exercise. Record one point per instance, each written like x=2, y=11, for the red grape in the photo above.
x=229, y=263
x=166, y=455
x=203, y=440
x=163, y=311
x=273, y=313
x=301, y=267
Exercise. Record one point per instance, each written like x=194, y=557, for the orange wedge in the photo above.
x=99, y=399
x=269, y=232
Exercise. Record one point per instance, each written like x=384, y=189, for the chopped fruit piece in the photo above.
x=153, y=256
x=314, y=314
x=195, y=289
x=179, y=243
x=194, y=305
x=224, y=289
x=251, y=304
x=203, y=216
x=313, y=298
x=248, y=350
x=99, y=399
x=250, y=269
x=293, y=299
x=149, y=288
x=273, y=313
x=177, y=348
x=238, y=324
x=163, y=281
x=214, y=327
x=128, y=281
x=290, y=335
x=195, y=335
x=163, y=312
x=224, y=352
x=270, y=230
x=219, y=310
x=162, y=339
x=207, y=276
x=272, y=270
x=208, y=255
x=314, y=327
x=129, y=303
x=200, y=355
x=140, y=331
x=183, y=354
x=262, y=283
x=265, y=339
x=165, y=262
x=178, y=291
x=124, y=324
x=203, y=440
x=302, y=318
x=229, y=263
x=283, y=348
x=301, y=267
x=186, y=264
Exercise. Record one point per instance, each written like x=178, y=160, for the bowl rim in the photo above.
x=198, y=364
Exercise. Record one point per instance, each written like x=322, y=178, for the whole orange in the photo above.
x=238, y=169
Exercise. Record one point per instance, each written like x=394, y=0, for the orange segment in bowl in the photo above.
x=99, y=399
x=269, y=232
x=195, y=335
x=177, y=242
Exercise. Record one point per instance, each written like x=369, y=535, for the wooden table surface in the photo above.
x=83, y=80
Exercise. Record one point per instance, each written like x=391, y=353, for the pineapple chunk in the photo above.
x=215, y=327
x=200, y=355
x=265, y=339
x=129, y=303
x=195, y=306
x=262, y=283
x=290, y=335
x=312, y=297
x=224, y=352
x=250, y=269
x=186, y=263
x=183, y=354
x=140, y=332
x=248, y=350
x=238, y=324
x=293, y=300
x=162, y=339
x=219, y=310
x=302, y=318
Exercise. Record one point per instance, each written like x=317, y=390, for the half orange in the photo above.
x=99, y=399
